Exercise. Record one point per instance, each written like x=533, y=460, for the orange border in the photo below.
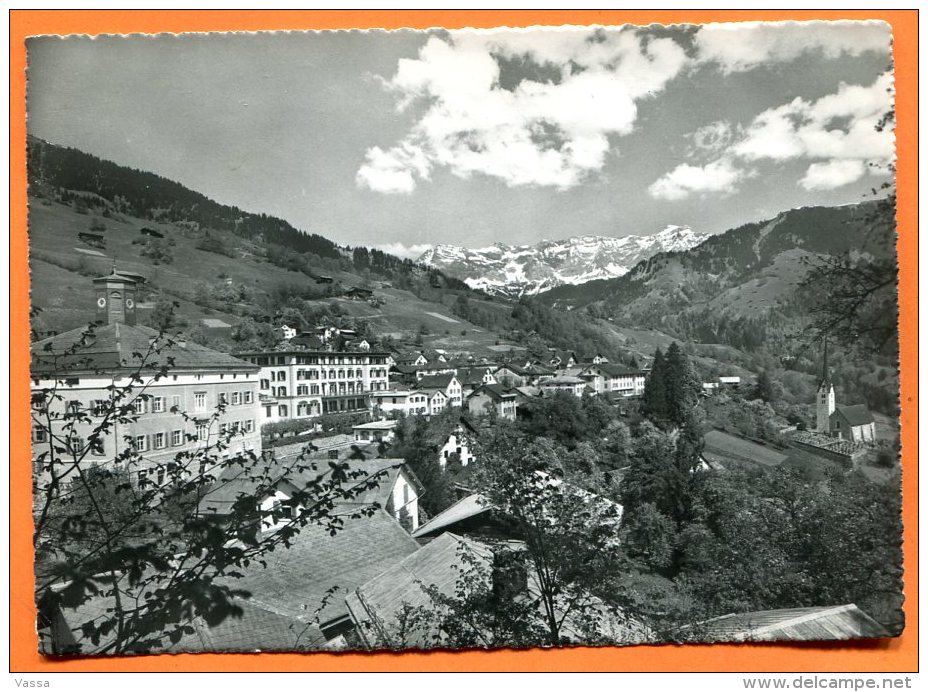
x=894, y=655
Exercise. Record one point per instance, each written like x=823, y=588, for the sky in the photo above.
x=406, y=139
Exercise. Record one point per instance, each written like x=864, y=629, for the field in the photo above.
x=722, y=447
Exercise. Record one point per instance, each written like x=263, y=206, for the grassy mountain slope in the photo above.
x=752, y=268
x=62, y=267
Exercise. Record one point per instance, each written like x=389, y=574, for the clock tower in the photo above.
x=116, y=297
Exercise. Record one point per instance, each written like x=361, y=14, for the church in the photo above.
x=853, y=423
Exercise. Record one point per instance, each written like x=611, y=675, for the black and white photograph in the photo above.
x=457, y=339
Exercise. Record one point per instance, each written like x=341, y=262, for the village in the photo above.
x=324, y=398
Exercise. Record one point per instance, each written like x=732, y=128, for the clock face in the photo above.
x=101, y=302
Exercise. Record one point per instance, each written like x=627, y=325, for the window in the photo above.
x=176, y=438
x=160, y=475
x=265, y=384
x=157, y=404
x=140, y=443
x=281, y=391
x=175, y=403
x=247, y=397
x=302, y=390
x=223, y=428
x=39, y=434
x=223, y=399
x=314, y=389
x=283, y=410
x=143, y=478
x=160, y=440
x=140, y=405
x=236, y=398
x=75, y=444
x=249, y=426
x=281, y=375
x=202, y=431
x=333, y=454
x=199, y=401
x=96, y=447
x=99, y=407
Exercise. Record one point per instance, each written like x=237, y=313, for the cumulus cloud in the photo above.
x=412, y=252
x=536, y=131
x=720, y=176
x=832, y=174
x=740, y=46
x=837, y=133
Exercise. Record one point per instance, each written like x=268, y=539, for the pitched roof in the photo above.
x=615, y=370
x=374, y=605
x=563, y=379
x=837, y=622
x=472, y=375
x=465, y=508
x=388, y=424
x=123, y=347
x=857, y=414
x=495, y=391
x=299, y=469
x=435, y=381
x=297, y=579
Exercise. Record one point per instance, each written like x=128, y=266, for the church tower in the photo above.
x=116, y=295
x=825, y=401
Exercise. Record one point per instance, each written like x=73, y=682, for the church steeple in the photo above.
x=825, y=398
x=826, y=373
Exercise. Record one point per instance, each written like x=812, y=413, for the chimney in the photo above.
x=116, y=296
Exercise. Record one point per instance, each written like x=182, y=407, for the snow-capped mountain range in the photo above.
x=516, y=270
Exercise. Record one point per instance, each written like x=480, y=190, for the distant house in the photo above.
x=599, y=359
x=151, y=232
x=518, y=375
x=447, y=383
x=93, y=240
x=324, y=280
x=413, y=358
x=459, y=443
x=286, y=332
x=563, y=359
x=629, y=382
x=493, y=397
x=358, y=345
x=376, y=431
x=397, y=491
x=438, y=400
x=562, y=383
x=854, y=423
x=472, y=378
x=358, y=293
x=730, y=380
x=400, y=400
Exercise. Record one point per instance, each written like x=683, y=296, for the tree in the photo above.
x=571, y=548
x=681, y=386
x=654, y=401
x=130, y=532
x=765, y=389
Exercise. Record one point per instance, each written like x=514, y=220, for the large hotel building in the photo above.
x=298, y=383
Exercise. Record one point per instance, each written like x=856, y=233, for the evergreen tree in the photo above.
x=681, y=386
x=654, y=405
